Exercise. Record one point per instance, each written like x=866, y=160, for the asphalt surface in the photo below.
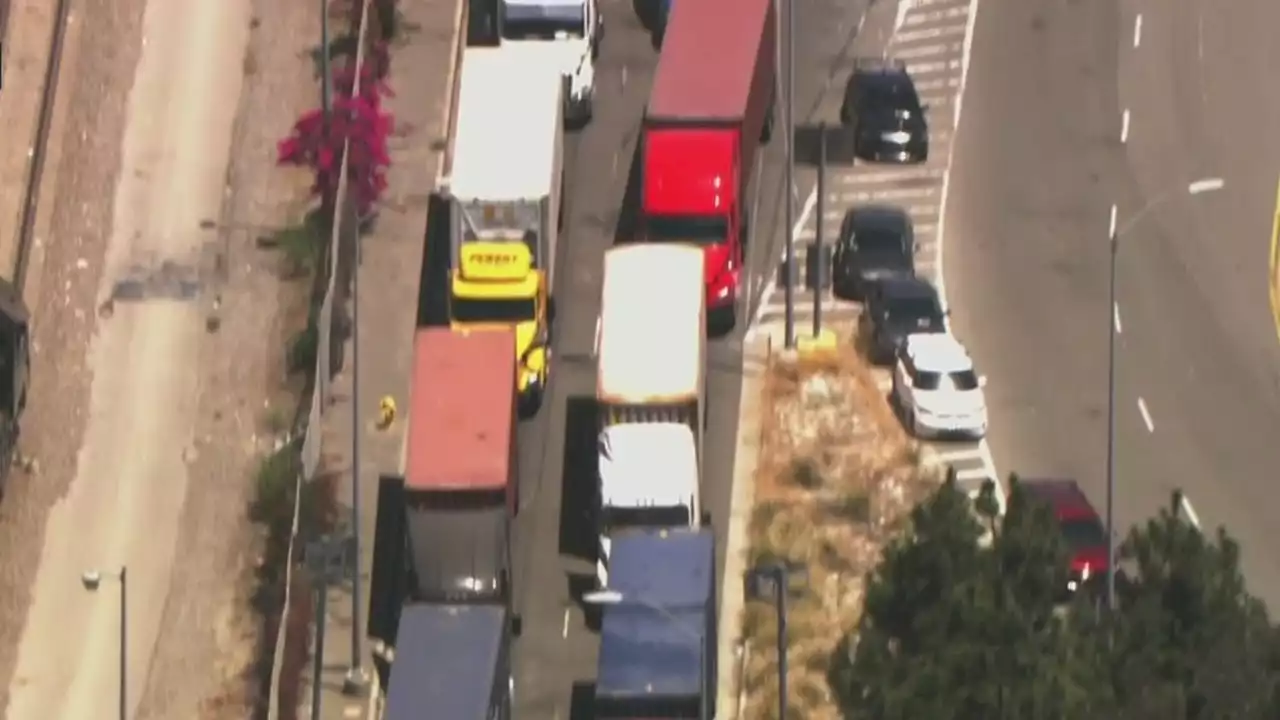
x=555, y=657
x=1043, y=152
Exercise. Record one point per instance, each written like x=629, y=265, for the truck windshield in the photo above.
x=473, y=310
x=688, y=228
x=542, y=22
x=613, y=519
x=647, y=707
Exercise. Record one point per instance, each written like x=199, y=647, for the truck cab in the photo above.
x=690, y=194
x=566, y=33
x=497, y=286
x=658, y=640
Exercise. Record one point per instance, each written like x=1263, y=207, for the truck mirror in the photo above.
x=517, y=625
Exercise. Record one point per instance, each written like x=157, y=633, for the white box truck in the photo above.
x=506, y=186
x=568, y=32
x=650, y=391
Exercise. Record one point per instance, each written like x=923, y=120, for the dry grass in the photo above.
x=836, y=476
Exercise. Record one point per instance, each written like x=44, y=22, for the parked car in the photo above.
x=896, y=307
x=883, y=113
x=876, y=241
x=936, y=389
x=1081, y=527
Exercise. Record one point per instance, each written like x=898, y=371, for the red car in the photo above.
x=1083, y=530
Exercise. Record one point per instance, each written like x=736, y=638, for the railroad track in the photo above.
x=39, y=143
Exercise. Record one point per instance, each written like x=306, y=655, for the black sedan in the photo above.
x=875, y=242
x=895, y=308
x=883, y=112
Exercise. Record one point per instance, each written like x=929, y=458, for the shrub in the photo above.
x=357, y=122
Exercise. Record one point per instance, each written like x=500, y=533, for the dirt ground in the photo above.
x=207, y=644
x=835, y=477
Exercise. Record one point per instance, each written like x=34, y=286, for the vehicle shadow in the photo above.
x=628, y=224
x=433, y=283
x=582, y=700
x=578, y=482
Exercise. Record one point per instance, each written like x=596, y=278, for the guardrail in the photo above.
x=334, y=271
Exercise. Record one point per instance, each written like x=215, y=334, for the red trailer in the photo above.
x=711, y=105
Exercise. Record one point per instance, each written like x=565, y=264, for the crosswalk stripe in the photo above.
x=960, y=13
x=933, y=33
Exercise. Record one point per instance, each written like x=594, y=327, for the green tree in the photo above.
x=1191, y=642
x=955, y=629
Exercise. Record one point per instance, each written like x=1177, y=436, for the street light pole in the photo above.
x=1201, y=186
x=92, y=580
x=789, y=123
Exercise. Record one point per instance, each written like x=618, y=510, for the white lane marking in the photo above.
x=925, y=18
x=595, y=344
x=1115, y=311
x=1189, y=511
x=1124, y=126
x=952, y=456
x=1137, y=31
x=980, y=473
x=930, y=50
x=932, y=33
x=1111, y=224
x=1146, y=415
x=770, y=287
x=564, y=630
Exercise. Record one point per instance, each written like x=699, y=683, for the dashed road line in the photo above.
x=1124, y=126
x=1146, y=415
x=1137, y=31
x=1115, y=311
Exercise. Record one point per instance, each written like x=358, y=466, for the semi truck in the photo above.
x=658, y=629
x=506, y=187
x=650, y=391
x=711, y=105
x=566, y=33
x=443, y=532
x=451, y=662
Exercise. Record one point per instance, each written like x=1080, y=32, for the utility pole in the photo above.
x=820, y=266
x=357, y=679
x=789, y=123
x=326, y=560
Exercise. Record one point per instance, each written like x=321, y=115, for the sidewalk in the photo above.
x=422, y=71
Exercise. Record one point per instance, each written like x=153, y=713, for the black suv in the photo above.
x=895, y=308
x=875, y=242
x=883, y=112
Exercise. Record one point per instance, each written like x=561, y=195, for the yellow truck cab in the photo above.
x=505, y=188
x=497, y=285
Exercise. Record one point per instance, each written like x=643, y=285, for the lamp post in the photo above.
x=1201, y=186
x=772, y=581
x=613, y=597
x=92, y=580
x=787, y=36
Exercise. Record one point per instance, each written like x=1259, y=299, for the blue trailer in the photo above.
x=451, y=662
x=658, y=640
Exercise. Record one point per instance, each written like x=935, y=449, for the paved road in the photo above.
x=1043, y=153
x=556, y=656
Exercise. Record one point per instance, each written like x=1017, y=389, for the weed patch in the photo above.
x=836, y=476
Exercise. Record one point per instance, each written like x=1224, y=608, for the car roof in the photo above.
x=879, y=217
x=937, y=352
x=893, y=288
x=1064, y=496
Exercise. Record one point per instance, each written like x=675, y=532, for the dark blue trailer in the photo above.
x=658, y=641
x=451, y=662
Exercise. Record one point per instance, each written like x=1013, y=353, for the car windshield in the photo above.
x=472, y=310
x=879, y=243
x=962, y=380
x=892, y=96
x=1084, y=533
x=916, y=313
x=542, y=22
x=687, y=228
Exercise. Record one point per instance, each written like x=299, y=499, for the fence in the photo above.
x=334, y=272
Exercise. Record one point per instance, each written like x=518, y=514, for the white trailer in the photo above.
x=650, y=390
x=568, y=32
x=508, y=155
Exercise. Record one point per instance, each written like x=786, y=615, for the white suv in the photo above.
x=936, y=388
